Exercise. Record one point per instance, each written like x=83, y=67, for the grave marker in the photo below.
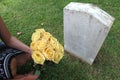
x=85, y=29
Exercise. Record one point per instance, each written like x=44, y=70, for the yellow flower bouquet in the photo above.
x=45, y=47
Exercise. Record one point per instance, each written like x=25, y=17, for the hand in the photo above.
x=30, y=77
x=29, y=51
x=28, y=54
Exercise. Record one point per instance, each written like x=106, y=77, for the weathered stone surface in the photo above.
x=85, y=29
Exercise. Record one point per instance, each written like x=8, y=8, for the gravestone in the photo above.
x=85, y=29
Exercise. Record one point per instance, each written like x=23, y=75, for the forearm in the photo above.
x=15, y=43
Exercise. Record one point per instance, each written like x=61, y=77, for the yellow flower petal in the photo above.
x=48, y=53
x=38, y=57
x=41, y=45
x=35, y=36
x=60, y=48
x=33, y=46
x=57, y=57
x=45, y=36
x=40, y=30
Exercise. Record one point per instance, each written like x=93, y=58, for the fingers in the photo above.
x=25, y=77
x=30, y=77
x=31, y=72
x=35, y=77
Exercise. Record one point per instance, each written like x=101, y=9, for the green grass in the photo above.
x=27, y=15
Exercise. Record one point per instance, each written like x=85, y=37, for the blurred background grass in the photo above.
x=27, y=15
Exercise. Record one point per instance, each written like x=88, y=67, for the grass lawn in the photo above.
x=27, y=15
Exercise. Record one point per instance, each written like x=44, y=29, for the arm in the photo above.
x=10, y=40
x=26, y=77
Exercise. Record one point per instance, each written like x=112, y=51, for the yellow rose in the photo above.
x=52, y=41
x=45, y=36
x=33, y=46
x=58, y=52
x=57, y=57
x=59, y=47
x=41, y=45
x=38, y=57
x=35, y=36
x=48, y=53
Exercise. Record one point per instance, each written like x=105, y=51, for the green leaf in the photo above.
x=37, y=72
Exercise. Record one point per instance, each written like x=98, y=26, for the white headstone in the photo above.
x=85, y=29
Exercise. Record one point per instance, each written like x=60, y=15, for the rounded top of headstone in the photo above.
x=93, y=10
